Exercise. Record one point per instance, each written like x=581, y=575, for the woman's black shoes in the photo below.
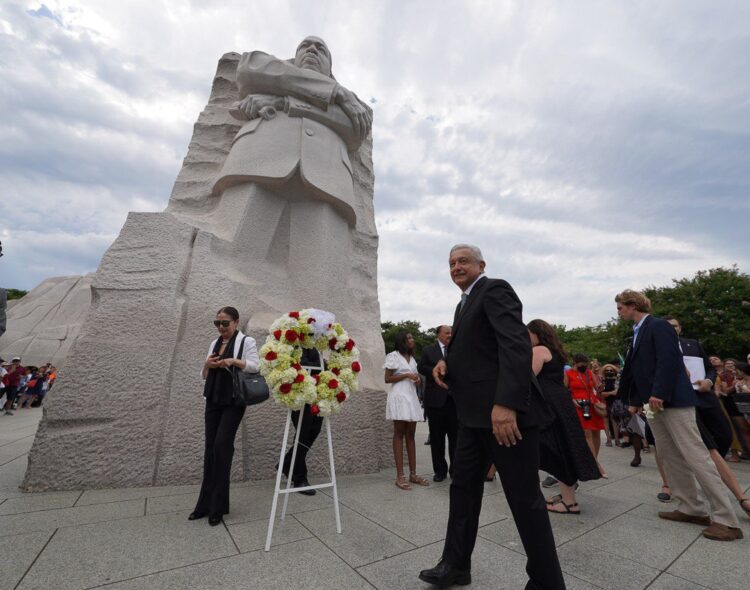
x=214, y=520
x=196, y=516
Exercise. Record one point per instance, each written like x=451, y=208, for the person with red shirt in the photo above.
x=12, y=381
x=582, y=384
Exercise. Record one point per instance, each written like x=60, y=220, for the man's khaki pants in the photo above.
x=686, y=459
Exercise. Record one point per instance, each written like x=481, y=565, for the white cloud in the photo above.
x=585, y=147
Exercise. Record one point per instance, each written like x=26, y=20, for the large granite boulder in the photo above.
x=128, y=409
x=42, y=325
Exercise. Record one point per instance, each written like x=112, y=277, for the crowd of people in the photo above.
x=24, y=386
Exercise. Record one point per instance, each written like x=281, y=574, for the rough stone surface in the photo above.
x=43, y=325
x=128, y=410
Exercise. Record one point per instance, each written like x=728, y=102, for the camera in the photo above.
x=585, y=408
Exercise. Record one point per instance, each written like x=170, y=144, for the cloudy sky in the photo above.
x=585, y=146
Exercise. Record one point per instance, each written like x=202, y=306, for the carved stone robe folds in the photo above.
x=310, y=137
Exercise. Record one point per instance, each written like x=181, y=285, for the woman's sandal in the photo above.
x=664, y=496
x=742, y=505
x=568, y=508
x=554, y=499
x=420, y=481
x=402, y=484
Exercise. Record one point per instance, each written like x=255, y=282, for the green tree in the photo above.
x=422, y=338
x=15, y=293
x=713, y=306
x=604, y=342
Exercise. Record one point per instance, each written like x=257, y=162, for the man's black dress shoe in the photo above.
x=444, y=575
x=196, y=515
x=302, y=484
x=214, y=520
x=438, y=478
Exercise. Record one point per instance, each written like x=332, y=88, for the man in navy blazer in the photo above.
x=655, y=374
x=488, y=368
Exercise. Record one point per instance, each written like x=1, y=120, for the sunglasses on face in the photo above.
x=222, y=323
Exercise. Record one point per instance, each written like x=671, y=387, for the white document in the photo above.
x=696, y=368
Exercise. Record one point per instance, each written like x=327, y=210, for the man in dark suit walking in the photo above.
x=654, y=373
x=439, y=407
x=488, y=367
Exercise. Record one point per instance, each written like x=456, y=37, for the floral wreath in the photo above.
x=291, y=384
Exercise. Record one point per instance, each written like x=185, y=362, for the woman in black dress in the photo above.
x=563, y=450
x=231, y=349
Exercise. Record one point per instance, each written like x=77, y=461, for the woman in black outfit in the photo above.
x=563, y=450
x=231, y=349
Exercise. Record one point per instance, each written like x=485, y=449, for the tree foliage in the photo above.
x=15, y=293
x=423, y=338
x=713, y=306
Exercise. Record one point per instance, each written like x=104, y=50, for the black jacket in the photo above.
x=489, y=357
x=434, y=395
x=692, y=347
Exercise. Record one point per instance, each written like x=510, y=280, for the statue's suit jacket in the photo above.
x=312, y=135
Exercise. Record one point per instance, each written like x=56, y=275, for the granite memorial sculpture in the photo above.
x=45, y=322
x=272, y=211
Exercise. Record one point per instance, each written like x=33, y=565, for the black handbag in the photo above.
x=248, y=389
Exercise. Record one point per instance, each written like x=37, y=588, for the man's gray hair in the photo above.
x=475, y=251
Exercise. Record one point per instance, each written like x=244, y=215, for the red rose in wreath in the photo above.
x=277, y=334
x=340, y=396
x=290, y=335
x=315, y=410
x=356, y=367
x=299, y=378
x=271, y=355
x=335, y=371
x=332, y=343
x=285, y=387
x=294, y=314
x=333, y=384
x=349, y=344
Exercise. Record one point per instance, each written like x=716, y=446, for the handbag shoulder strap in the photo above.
x=242, y=347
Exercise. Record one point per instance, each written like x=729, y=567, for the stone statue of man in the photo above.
x=289, y=167
x=298, y=115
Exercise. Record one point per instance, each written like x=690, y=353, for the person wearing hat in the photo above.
x=12, y=380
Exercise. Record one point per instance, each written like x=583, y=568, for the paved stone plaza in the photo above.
x=141, y=538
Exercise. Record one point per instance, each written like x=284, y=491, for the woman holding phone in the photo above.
x=222, y=418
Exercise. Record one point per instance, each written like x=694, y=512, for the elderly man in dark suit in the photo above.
x=655, y=374
x=488, y=367
x=439, y=407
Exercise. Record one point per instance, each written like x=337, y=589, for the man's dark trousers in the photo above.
x=517, y=467
x=442, y=422
x=311, y=426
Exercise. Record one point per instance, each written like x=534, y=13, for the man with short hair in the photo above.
x=488, y=367
x=442, y=420
x=654, y=373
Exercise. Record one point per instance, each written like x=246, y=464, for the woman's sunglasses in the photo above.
x=222, y=323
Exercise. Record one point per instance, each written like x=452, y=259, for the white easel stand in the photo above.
x=289, y=489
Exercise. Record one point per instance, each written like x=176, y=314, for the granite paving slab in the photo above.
x=639, y=540
x=420, y=516
x=251, y=535
x=118, y=495
x=604, y=569
x=86, y=556
x=595, y=511
x=361, y=541
x=302, y=565
x=246, y=503
x=717, y=565
x=19, y=552
x=36, y=502
x=48, y=520
x=669, y=582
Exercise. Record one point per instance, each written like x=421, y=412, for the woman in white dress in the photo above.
x=403, y=407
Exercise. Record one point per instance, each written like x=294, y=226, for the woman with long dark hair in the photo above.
x=564, y=452
x=403, y=407
x=230, y=351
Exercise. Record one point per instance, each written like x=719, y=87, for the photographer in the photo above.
x=582, y=385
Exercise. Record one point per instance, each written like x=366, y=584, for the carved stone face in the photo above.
x=313, y=54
